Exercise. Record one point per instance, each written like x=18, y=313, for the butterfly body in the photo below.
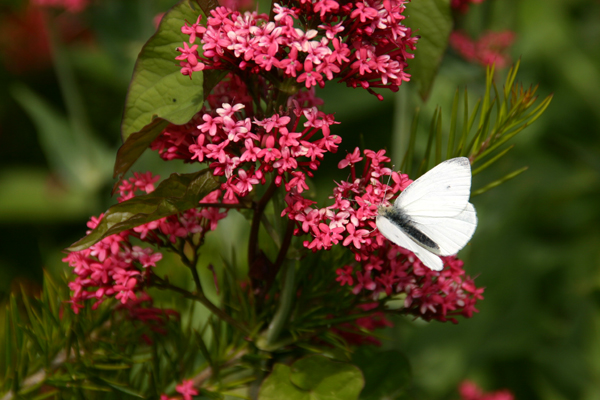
x=432, y=217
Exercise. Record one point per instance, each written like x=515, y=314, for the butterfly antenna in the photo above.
x=387, y=184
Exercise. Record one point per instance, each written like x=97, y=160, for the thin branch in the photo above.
x=161, y=283
x=259, y=208
x=287, y=240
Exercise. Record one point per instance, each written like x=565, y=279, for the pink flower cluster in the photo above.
x=362, y=43
x=463, y=5
x=186, y=389
x=491, y=48
x=381, y=266
x=244, y=150
x=470, y=391
x=114, y=267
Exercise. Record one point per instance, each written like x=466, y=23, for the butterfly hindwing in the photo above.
x=395, y=234
x=450, y=233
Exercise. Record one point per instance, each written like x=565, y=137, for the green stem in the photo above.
x=285, y=303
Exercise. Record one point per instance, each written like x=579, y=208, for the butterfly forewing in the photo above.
x=442, y=192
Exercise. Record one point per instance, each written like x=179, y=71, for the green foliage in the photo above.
x=158, y=90
x=313, y=377
x=78, y=156
x=500, y=116
x=387, y=373
x=49, y=352
x=432, y=21
x=175, y=194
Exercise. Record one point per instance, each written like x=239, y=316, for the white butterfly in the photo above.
x=433, y=217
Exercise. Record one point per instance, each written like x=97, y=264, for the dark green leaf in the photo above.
x=157, y=88
x=432, y=21
x=175, y=194
x=136, y=144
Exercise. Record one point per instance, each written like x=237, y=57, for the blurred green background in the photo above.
x=537, y=248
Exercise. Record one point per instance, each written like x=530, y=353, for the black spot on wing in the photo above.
x=402, y=221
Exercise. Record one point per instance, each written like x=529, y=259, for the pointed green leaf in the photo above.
x=499, y=181
x=492, y=160
x=175, y=194
x=432, y=21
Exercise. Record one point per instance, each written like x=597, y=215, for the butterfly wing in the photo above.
x=395, y=235
x=450, y=233
x=442, y=192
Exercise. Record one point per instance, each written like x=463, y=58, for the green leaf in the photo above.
x=157, y=88
x=278, y=386
x=387, y=373
x=175, y=194
x=327, y=378
x=432, y=21
x=313, y=378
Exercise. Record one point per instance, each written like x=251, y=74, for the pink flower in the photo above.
x=470, y=391
x=288, y=47
x=186, y=389
x=491, y=48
